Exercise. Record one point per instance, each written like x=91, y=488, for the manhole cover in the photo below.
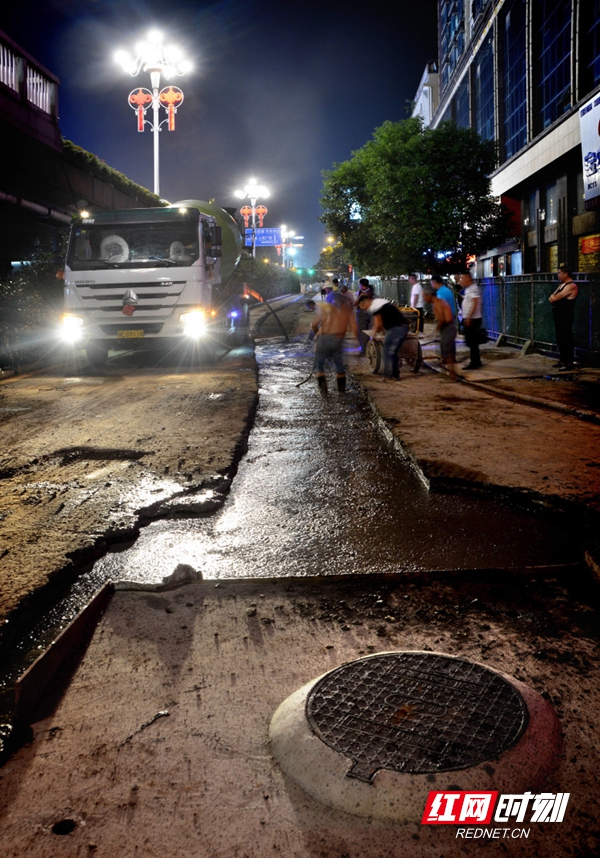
x=415, y=712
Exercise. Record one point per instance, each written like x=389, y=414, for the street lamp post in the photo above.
x=285, y=235
x=156, y=59
x=254, y=192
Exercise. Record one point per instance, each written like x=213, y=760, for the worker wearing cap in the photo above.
x=386, y=317
x=363, y=320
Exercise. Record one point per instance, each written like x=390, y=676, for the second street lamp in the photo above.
x=286, y=244
x=253, y=192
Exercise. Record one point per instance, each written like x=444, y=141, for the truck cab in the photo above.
x=143, y=274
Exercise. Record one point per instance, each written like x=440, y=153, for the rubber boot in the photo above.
x=341, y=383
x=321, y=381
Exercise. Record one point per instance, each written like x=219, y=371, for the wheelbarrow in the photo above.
x=410, y=353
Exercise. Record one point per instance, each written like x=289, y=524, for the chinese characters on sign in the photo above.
x=589, y=123
x=263, y=237
x=477, y=808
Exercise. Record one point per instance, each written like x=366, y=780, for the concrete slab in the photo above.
x=160, y=745
x=498, y=363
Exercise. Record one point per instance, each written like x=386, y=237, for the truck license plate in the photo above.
x=130, y=334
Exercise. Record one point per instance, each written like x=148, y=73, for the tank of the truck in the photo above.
x=231, y=248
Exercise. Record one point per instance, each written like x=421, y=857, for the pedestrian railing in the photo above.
x=517, y=308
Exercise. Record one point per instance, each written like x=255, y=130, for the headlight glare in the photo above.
x=194, y=323
x=72, y=328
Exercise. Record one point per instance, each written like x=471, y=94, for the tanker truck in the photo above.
x=154, y=274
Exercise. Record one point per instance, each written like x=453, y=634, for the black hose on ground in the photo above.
x=312, y=372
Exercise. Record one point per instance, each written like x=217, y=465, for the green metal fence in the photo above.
x=517, y=308
x=396, y=290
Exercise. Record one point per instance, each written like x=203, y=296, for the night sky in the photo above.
x=279, y=91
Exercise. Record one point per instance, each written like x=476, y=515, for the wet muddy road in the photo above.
x=320, y=491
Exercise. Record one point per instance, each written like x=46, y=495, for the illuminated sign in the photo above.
x=589, y=124
x=263, y=237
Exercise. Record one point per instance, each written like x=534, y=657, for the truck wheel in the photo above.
x=97, y=354
x=373, y=353
x=201, y=354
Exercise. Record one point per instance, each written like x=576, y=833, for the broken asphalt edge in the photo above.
x=588, y=517
x=28, y=613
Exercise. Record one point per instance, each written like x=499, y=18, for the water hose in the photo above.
x=312, y=372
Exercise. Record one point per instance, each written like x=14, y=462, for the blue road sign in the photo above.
x=263, y=237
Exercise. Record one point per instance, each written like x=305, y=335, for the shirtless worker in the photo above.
x=446, y=325
x=331, y=323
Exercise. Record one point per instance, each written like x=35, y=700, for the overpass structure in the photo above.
x=45, y=180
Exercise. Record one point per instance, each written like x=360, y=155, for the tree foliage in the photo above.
x=415, y=198
x=334, y=258
x=31, y=299
x=268, y=279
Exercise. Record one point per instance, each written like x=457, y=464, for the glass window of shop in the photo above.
x=515, y=77
x=533, y=210
x=484, y=90
x=516, y=263
x=551, y=203
x=552, y=21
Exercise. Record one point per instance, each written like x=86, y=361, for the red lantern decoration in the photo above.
x=261, y=212
x=139, y=100
x=245, y=212
x=169, y=97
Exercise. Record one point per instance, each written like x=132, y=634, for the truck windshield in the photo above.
x=139, y=245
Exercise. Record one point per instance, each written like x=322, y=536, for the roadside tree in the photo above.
x=269, y=279
x=335, y=259
x=415, y=198
x=31, y=298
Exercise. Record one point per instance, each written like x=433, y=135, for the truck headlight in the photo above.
x=72, y=328
x=194, y=323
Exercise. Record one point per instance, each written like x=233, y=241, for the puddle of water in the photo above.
x=319, y=492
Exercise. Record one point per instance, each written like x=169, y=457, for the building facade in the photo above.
x=44, y=181
x=524, y=73
x=519, y=71
x=427, y=97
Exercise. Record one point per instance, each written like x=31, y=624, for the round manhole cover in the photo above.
x=416, y=713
